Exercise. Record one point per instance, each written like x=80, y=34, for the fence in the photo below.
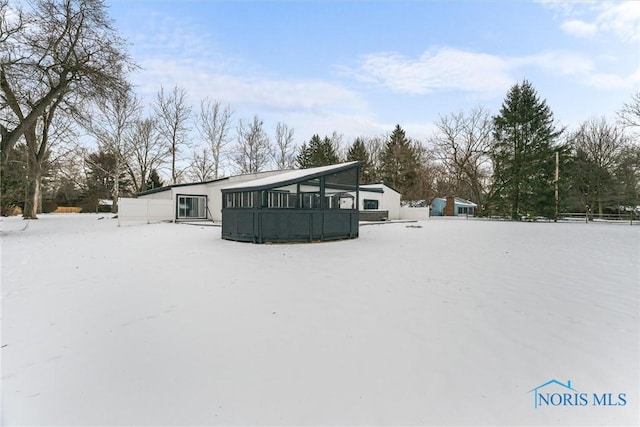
x=67, y=209
x=417, y=214
x=144, y=210
x=629, y=217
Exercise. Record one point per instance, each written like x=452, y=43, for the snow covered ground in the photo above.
x=443, y=322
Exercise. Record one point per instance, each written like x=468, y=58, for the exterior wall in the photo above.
x=210, y=189
x=162, y=195
x=370, y=196
x=388, y=201
x=437, y=207
x=391, y=203
x=147, y=210
x=417, y=214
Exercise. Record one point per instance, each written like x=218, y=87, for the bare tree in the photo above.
x=173, y=113
x=461, y=143
x=53, y=130
x=201, y=167
x=375, y=146
x=55, y=49
x=147, y=152
x=67, y=169
x=598, y=145
x=254, y=149
x=284, y=150
x=114, y=117
x=11, y=22
x=629, y=115
x=213, y=123
x=336, y=141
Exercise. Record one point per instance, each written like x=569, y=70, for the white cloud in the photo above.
x=455, y=70
x=588, y=18
x=447, y=68
x=621, y=18
x=264, y=93
x=560, y=62
x=579, y=28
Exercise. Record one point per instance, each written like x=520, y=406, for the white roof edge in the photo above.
x=286, y=176
x=378, y=185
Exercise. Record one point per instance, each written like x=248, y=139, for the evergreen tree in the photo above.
x=319, y=152
x=303, y=159
x=154, y=181
x=358, y=152
x=627, y=173
x=101, y=178
x=400, y=165
x=523, y=155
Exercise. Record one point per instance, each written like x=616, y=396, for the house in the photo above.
x=304, y=205
x=203, y=200
x=452, y=206
x=379, y=198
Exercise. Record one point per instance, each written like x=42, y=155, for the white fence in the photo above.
x=144, y=210
x=417, y=214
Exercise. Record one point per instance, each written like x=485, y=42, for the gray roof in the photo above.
x=290, y=177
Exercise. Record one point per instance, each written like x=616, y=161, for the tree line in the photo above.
x=74, y=132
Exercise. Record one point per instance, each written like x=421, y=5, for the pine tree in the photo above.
x=303, y=159
x=358, y=152
x=154, y=180
x=400, y=164
x=523, y=155
x=101, y=178
x=319, y=152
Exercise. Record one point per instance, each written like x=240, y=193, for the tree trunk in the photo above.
x=116, y=186
x=34, y=175
x=33, y=192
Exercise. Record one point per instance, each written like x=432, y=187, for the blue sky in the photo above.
x=360, y=67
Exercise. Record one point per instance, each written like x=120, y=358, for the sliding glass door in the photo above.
x=192, y=207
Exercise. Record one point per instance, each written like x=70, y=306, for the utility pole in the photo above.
x=556, y=184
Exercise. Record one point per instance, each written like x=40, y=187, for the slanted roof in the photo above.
x=377, y=187
x=463, y=202
x=458, y=201
x=287, y=178
x=187, y=184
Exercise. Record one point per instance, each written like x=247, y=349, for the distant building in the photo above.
x=379, y=199
x=452, y=206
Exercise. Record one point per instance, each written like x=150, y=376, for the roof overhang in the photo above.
x=289, y=178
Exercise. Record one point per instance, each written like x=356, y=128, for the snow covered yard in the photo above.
x=443, y=322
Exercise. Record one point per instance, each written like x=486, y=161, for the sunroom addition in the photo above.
x=303, y=205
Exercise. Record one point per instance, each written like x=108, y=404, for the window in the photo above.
x=281, y=199
x=242, y=199
x=310, y=200
x=370, y=204
x=192, y=207
x=468, y=210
